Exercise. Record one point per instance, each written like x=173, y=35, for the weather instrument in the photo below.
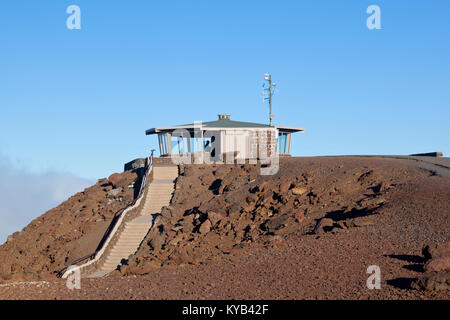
x=268, y=92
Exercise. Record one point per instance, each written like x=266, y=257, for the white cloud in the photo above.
x=25, y=195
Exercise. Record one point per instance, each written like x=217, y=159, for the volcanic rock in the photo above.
x=438, y=264
x=299, y=191
x=324, y=224
x=431, y=251
x=205, y=227
x=276, y=223
x=433, y=281
x=284, y=187
x=114, y=178
x=114, y=192
x=215, y=217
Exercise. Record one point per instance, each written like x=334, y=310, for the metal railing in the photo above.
x=108, y=233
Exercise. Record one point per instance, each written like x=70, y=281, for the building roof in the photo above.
x=222, y=123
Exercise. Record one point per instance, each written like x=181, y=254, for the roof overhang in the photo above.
x=204, y=128
x=166, y=129
x=289, y=129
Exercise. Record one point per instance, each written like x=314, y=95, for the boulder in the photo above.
x=157, y=242
x=215, y=217
x=115, y=192
x=114, y=178
x=135, y=164
x=299, y=216
x=205, y=227
x=431, y=251
x=166, y=212
x=276, y=223
x=284, y=187
x=433, y=281
x=362, y=223
x=325, y=224
x=438, y=264
x=226, y=244
x=251, y=198
x=299, y=191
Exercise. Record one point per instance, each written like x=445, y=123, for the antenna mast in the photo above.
x=268, y=91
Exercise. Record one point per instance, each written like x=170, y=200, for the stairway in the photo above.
x=159, y=194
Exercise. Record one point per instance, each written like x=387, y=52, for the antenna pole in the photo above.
x=268, y=92
x=270, y=98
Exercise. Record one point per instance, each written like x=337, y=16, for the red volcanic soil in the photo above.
x=65, y=233
x=308, y=232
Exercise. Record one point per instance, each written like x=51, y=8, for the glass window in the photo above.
x=282, y=143
x=180, y=145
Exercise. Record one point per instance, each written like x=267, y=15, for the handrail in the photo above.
x=108, y=233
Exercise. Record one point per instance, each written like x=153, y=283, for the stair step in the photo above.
x=136, y=231
x=153, y=197
x=137, y=227
x=121, y=255
x=154, y=193
x=137, y=224
x=124, y=248
x=109, y=267
x=156, y=206
x=130, y=243
x=118, y=258
x=115, y=259
x=160, y=194
x=112, y=262
x=112, y=265
x=163, y=187
x=131, y=240
x=157, y=202
x=135, y=234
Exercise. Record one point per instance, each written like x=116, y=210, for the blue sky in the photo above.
x=78, y=101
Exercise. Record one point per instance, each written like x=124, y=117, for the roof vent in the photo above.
x=224, y=117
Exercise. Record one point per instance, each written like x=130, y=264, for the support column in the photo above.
x=288, y=143
x=169, y=143
x=160, y=144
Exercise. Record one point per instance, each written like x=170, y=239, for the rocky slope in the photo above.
x=67, y=232
x=219, y=209
x=309, y=232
